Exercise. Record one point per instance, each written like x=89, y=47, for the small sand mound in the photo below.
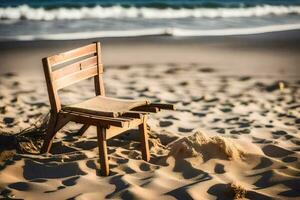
x=156, y=147
x=238, y=191
x=199, y=144
x=228, y=191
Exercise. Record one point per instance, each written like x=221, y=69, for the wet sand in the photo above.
x=248, y=54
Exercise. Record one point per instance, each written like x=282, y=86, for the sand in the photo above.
x=262, y=54
x=233, y=136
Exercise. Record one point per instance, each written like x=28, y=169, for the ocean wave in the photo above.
x=29, y=13
x=177, y=32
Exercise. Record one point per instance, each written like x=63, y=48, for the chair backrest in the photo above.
x=70, y=67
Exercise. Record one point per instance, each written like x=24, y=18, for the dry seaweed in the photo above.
x=28, y=140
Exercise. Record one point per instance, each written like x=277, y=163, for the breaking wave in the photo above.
x=26, y=12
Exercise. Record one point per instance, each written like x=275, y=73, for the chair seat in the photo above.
x=106, y=106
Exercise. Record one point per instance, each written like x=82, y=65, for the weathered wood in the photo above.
x=75, y=67
x=50, y=133
x=98, y=80
x=133, y=114
x=72, y=55
x=101, y=134
x=107, y=127
x=144, y=139
x=71, y=112
x=52, y=92
x=56, y=122
x=163, y=106
x=75, y=77
x=61, y=121
x=147, y=109
x=95, y=120
x=113, y=131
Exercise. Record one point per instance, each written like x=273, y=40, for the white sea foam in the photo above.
x=98, y=12
x=236, y=31
x=177, y=32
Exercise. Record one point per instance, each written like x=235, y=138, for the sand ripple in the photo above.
x=232, y=137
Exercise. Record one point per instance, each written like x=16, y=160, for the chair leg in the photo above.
x=101, y=133
x=50, y=134
x=144, y=140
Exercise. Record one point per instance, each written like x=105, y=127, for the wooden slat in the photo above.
x=114, y=131
x=163, y=106
x=122, y=119
x=61, y=122
x=98, y=80
x=50, y=134
x=75, y=67
x=75, y=77
x=52, y=92
x=102, y=145
x=144, y=140
x=133, y=114
x=73, y=54
x=147, y=109
x=95, y=120
x=118, y=119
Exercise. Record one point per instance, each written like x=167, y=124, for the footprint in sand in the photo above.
x=279, y=133
x=8, y=120
x=226, y=110
x=36, y=170
x=185, y=130
x=219, y=169
x=91, y=164
x=264, y=162
x=244, y=78
x=70, y=181
x=21, y=186
x=9, y=75
x=86, y=145
x=289, y=159
x=275, y=151
x=165, y=123
x=222, y=131
x=171, y=117
x=144, y=167
x=39, y=180
x=206, y=70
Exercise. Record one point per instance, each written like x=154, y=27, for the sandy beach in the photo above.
x=234, y=135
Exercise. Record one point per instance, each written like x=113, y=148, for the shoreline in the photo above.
x=162, y=32
x=269, y=53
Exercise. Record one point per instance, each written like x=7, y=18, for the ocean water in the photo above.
x=56, y=19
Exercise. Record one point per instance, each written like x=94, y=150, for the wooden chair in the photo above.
x=111, y=116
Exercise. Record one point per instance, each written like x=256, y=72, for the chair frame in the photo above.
x=107, y=127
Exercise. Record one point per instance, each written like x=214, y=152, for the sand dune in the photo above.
x=231, y=137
